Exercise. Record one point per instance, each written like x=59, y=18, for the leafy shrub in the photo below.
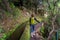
x=1, y=30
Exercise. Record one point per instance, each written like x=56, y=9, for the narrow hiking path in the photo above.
x=18, y=32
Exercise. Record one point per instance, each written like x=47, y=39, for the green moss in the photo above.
x=26, y=34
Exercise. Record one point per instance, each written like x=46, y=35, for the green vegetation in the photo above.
x=6, y=35
x=13, y=10
x=26, y=34
x=1, y=29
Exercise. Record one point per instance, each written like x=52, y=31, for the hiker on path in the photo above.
x=32, y=24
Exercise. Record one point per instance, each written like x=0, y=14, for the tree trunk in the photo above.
x=35, y=9
x=36, y=4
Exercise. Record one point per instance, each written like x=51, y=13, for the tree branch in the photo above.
x=53, y=30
